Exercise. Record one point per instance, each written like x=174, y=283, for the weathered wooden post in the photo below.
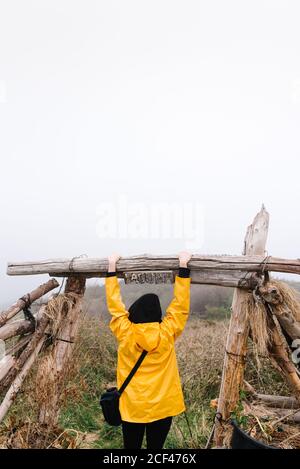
x=60, y=357
x=236, y=347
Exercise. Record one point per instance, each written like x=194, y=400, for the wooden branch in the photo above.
x=289, y=417
x=271, y=400
x=17, y=383
x=146, y=262
x=14, y=328
x=32, y=296
x=39, y=333
x=236, y=347
x=283, y=402
x=19, y=327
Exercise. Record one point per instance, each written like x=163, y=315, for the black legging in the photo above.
x=156, y=433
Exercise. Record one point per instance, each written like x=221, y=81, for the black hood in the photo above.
x=145, y=309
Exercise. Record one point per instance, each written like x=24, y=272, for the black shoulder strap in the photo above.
x=134, y=369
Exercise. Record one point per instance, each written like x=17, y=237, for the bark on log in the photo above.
x=236, y=347
x=62, y=351
x=19, y=327
x=32, y=296
x=283, y=402
x=39, y=333
x=16, y=328
x=17, y=383
x=92, y=267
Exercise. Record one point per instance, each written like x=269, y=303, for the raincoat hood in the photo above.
x=145, y=309
x=147, y=335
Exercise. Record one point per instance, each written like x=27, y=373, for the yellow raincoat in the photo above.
x=155, y=391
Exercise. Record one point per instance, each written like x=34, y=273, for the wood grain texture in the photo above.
x=19, y=327
x=147, y=262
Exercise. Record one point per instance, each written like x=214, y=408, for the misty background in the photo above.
x=161, y=101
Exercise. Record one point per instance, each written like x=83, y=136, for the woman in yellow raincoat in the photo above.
x=154, y=394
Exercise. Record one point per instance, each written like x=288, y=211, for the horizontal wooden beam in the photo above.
x=146, y=262
x=225, y=278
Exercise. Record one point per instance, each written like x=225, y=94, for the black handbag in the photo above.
x=109, y=401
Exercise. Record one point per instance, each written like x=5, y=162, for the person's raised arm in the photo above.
x=119, y=323
x=178, y=310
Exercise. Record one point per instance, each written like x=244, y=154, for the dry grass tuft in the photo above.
x=260, y=333
x=31, y=435
x=57, y=310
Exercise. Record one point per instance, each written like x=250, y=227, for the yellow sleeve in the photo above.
x=178, y=311
x=119, y=323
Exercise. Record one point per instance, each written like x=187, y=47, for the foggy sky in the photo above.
x=185, y=101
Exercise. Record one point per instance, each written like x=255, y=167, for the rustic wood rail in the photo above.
x=224, y=270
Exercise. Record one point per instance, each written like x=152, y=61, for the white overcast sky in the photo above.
x=155, y=101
